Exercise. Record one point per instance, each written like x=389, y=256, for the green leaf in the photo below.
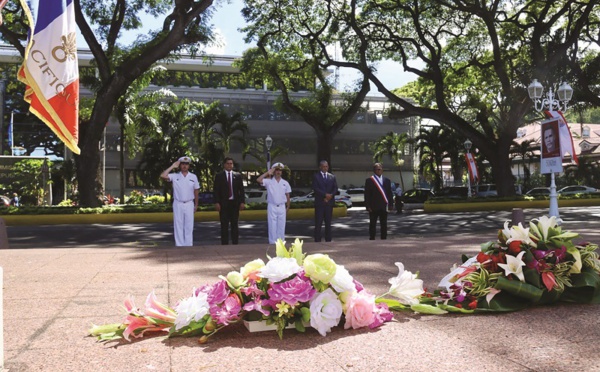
x=454, y=309
x=428, y=309
x=394, y=305
x=300, y=326
x=585, y=287
x=502, y=302
x=305, y=314
x=532, y=277
x=578, y=264
x=519, y=289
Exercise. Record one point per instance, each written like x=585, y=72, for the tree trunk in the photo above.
x=502, y=172
x=324, y=147
x=88, y=164
x=122, y=165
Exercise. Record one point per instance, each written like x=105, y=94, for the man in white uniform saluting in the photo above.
x=185, y=195
x=278, y=201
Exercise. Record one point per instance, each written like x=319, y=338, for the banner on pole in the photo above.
x=564, y=135
x=472, y=165
x=551, y=160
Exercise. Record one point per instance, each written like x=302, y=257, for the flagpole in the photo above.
x=564, y=93
x=12, y=134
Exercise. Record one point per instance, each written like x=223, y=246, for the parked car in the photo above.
x=413, y=199
x=341, y=196
x=357, y=195
x=4, y=201
x=485, y=190
x=256, y=196
x=206, y=197
x=577, y=189
x=538, y=191
x=295, y=193
x=453, y=192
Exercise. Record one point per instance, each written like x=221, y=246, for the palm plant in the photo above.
x=433, y=144
x=524, y=151
x=587, y=172
x=214, y=132
x=392, y=144
x=165, y=129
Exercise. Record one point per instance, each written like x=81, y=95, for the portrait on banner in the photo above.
x=551, y=160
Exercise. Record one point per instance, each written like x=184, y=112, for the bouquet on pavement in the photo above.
x=290, y=289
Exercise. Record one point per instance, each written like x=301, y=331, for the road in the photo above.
x=586, y=221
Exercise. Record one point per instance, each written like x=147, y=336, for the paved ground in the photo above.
x=354, y=227
x=52, y=296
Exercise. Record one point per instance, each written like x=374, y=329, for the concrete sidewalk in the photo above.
x=52, y=296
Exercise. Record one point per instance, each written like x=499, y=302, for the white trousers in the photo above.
x=183, y=223
x=276, y=221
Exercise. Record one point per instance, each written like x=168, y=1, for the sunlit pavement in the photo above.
x=52, y=296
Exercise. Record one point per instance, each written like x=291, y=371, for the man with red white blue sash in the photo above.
x=378, y=200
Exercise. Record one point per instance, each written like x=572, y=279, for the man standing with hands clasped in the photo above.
x=230, y=199
x=278, y=201
x=378, y=200
x=325, y=187
x=185, y=195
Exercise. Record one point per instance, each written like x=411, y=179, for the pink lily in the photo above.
x=158, y=310
x=137, y=326
x=468, y=270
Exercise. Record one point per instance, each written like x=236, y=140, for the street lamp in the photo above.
x=468, y=145
x=268, y=143
x=400, y=164
x=564, y=92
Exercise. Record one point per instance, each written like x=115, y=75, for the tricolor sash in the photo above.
x=380, y=188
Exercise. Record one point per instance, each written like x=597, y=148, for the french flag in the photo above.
x=50, y=68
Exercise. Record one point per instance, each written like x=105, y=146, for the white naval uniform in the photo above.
x=276, y=207
x=183, y=207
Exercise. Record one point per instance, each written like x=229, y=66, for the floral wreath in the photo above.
x=524, y=267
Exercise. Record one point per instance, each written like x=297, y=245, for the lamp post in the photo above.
x=564, y=92
x=468, y=145
x=268, y=144
x=400, y=164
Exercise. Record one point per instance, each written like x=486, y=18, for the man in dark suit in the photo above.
x=230, y=199
x=325, y=187
x=378, y=200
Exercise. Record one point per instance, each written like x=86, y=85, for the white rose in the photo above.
x=279, y=268
x=325, y=311
x=191, y=308
x=342, y=280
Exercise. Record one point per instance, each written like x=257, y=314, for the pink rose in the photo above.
x=360, y=310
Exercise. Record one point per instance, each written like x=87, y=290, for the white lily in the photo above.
x=451, y=278
x=543, y=225
x=517, y=233
x=514, y=265
x=406, y=287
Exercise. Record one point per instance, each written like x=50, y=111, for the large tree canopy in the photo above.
x=477, y=60
x=473, y=59
x=103, y=24
x=290, y=36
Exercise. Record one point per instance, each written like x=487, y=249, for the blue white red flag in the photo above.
x=50, y=68
x=564, y=134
